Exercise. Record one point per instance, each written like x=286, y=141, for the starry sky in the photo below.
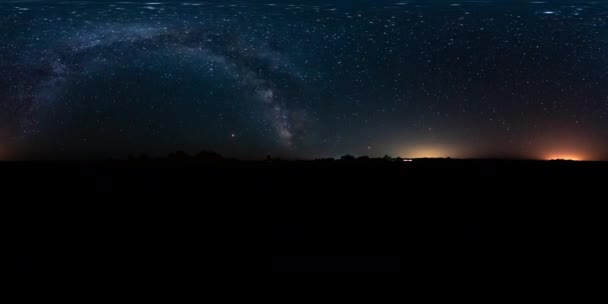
x=304, y=79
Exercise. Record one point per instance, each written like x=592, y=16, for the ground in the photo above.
x=159, y=217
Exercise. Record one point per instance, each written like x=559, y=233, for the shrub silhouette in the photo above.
x=209, y=156
x=179, y=156
x=347, y=158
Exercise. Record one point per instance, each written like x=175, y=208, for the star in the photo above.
x=310, y=81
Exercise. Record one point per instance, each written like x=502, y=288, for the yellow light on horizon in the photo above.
x=428, y=152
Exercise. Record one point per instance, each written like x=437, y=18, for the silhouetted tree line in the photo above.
x=206, y=156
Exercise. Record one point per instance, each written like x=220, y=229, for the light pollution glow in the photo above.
x=569, y=148
x=566, y=156
x=562, y=151
x=430, y=151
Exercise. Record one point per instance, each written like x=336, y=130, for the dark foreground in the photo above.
x=149, y=220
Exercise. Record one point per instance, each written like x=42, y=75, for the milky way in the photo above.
x=81, y=52
x=312, y=79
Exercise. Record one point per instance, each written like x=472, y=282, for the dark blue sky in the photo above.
x=304, y=79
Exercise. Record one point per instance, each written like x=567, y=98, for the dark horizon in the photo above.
x=157, y=220
x=265, y=157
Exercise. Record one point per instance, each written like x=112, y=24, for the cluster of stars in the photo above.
x=304, y=79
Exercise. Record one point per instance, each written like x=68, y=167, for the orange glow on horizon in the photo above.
x=569, y=146
x=567, y=155
x=572, y=157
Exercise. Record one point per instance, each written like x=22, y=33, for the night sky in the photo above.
x=308, y=79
